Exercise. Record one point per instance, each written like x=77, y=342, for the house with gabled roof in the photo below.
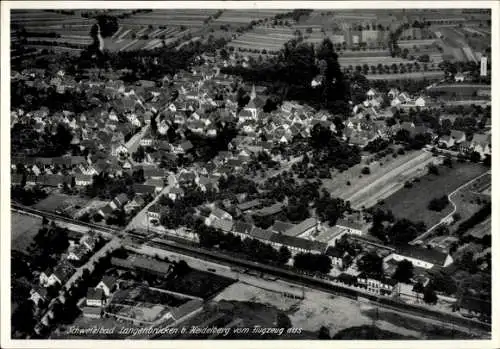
x=107, y=284
x=446, y=141
x=296, y=244
x=242, y=229
x=157, y=183
x=119, y=201
x=95, y=297
x=421, y=257
x=38, y=294
x=305, y=227
x=155, y=211
x=481, y=143
x=217, y=214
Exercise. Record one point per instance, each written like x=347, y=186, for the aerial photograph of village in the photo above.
x=250, y=173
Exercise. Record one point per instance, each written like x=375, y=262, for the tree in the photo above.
x=139, y=154
x=475, y=156
x=284, y=255
x=365, y=170
x=443, y=282
x=404, y=271
x=23, y=319
x=433, y=169
x=438, y=204
x=324, y=333
x=283, y=321
x=448, y=162
x=430, y=296
x=418, y=288
x=487, y=160
x=313, y=262
x=371, y=263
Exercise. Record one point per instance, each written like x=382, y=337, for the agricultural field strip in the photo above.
x=128, y=45
x=151, y=43
x=56, y=48
x=62, y=40
x=196, y=38
x=413, y=75
x=142, y=31
x=123, y=35
x=118, y=32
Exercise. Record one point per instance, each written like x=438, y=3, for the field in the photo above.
x=23, y=230
x=73, y=29
x=170, y=17
x=461, y=44
x=411, y=203
x=468, y=200
x=198, y=283
x=140, y=36
x=138, y=295
x=321, y=309
x=263, y=38
x=458, y=90
x=481, y=230
x=407, y=76
x=63, y=204
x=243, y=17
x=382, y=180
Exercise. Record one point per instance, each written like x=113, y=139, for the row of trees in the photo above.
x=312, y=262
x=251, y=248
x=380, y=69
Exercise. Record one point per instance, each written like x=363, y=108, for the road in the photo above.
x=133, y=143
x=287, y=275
x=419, y=238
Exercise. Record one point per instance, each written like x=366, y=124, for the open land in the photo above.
x=383, y=179
x=412, y=202
x=23, y=230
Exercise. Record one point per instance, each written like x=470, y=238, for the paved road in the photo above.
x=448, y=216
x=133, y=143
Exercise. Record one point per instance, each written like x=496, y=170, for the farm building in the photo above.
x=421, y=257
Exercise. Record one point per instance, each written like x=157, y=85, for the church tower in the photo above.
x=253, y=94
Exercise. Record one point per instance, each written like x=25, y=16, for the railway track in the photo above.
x=286, y=275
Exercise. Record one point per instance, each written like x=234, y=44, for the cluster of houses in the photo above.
x=480, y=143
x=61, y=273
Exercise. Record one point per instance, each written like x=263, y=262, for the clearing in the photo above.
x=23, y=230
x=411, y=203
x=316, y=310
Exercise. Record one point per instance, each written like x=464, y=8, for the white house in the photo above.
x=421, y=257
x=107, y=285
x=420, y=102
x=83, y=180
x=95, y=297
x=217, y=214
x=377, y=285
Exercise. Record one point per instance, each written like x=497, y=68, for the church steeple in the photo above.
x=253, y=94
